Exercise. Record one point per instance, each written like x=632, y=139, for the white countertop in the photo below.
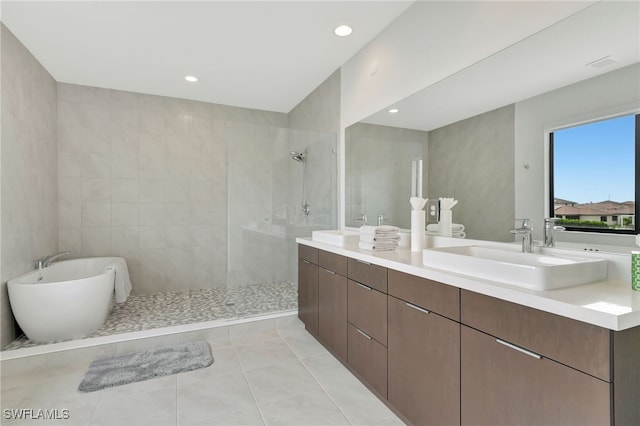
x=610, y=304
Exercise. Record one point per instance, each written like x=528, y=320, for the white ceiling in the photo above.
x=262, y=54
x=545, y=60
x=269, y=55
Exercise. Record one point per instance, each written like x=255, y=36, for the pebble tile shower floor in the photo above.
x=145, y=312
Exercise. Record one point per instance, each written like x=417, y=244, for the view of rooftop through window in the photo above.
x=594, y=174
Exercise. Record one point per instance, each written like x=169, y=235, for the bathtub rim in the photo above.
x=17, y=280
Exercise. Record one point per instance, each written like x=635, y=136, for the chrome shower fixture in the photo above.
x=299, y=156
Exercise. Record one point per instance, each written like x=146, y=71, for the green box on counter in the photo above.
x=635, y=270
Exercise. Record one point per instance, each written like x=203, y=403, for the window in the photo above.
x=595, y=175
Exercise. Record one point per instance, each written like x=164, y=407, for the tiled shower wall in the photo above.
x=29, y=190
x=145, y=177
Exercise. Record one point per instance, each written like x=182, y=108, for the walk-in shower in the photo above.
x=240, y=239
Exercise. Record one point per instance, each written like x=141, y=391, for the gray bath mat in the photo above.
x=132, y=367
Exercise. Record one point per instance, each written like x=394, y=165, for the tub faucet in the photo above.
x=48, y=260
x=549, y=228
x=525, y=230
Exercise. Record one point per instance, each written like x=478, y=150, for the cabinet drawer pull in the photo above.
x=364, y=286
x=306, y=261
x=363, y=333
x=417, y=308
x=519, y=349
x=331, y=272
x=363, y=262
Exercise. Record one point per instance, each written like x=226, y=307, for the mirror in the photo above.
x=379, y=174
x=469, y=128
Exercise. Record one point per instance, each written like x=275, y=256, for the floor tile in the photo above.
x=219, y=397
x=280, y=381
x=264, y=353
x=245, y=417
x=146, y=408
x=313, y=408
x=60, y=392
x=225, y=362
x=352, y=397
x=301, y=342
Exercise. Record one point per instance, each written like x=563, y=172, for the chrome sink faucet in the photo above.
x=361, y=219
x=48, y=260
x=525, y=231
x=549, y=228
x=382, y=218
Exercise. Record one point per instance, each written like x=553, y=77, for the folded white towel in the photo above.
x=379, y=238
x=453, y=234
x=379, y=230
x=376, y=247
x=455, y=227
x=122, y=279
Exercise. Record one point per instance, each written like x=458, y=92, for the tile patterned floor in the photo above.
x=144, y=312
x=274, y=377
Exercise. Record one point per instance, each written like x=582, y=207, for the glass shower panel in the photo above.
x=312, y=188
x=256, y=251
x=266, y=188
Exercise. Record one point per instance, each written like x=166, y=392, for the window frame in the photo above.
x=551, y=212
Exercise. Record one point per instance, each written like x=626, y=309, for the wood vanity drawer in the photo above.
x=368, y=359
x=582, y=346
x=368, y=274
x=367, y=310
x=431, y=295
x=308, y=253
x=332, y=262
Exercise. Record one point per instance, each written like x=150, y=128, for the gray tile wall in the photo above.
x=378, y=172
x=29, y=163
x=145, y=177
x=320, y=110
x=473, y=161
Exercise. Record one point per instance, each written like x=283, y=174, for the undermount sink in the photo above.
x=536, y=271
x=337, y=237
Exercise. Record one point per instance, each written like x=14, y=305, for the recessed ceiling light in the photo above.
x=343, y=30
x=393, y=111
x=191, y=78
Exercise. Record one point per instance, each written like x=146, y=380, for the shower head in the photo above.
x=299, y=156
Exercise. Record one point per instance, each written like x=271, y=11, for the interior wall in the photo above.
x=319, y=111
x=398, y=62
x=29, y=163
x=473, y=161
x=145, y=177
x=378, y=172
x=314, y=124
x=614, y=93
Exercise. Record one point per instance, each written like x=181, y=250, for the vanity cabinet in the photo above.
x=502, y=385
x=423, y=350
x=367, y=317
x=368, y=358
x=523, y=366
x=439, y=355
x=332, y=302
x=367, y=310
x=308, y=288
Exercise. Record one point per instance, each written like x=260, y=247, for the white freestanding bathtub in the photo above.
x=67, y=300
